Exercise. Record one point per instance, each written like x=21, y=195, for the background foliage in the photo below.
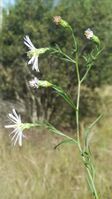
x=34, y=18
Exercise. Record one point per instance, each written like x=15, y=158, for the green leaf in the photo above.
x=64, y=142
x=51, y=128
x=88, y=131
x=65, y=96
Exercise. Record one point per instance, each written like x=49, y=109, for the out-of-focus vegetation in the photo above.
x=38, y=171
x=34, y=18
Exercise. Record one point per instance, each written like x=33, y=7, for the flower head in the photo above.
x=42, y=83
x=59, y=21
x=17, y=133
x=34, y=82
x=33, y=53
x=88, y=33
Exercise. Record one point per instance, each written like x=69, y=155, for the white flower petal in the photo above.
x=29, y=46
x=34, y=59
x=15, y=135
x=15, y=130
x=14, y=113
x=19, y=119
x=17, y=126
x=89, y=33
x=34, y=82
x=16, y=139
x=35, y=65
x=28, y=42
x=12, y=117
x=31, y=60
x=10, y=126
x=27, y=39
x=20, y=139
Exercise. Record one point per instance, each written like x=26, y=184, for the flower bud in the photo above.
x=37, y=83
x=59, y=21
x=37, y=51
x=96, y=39
x=90, y=35
x=44, y=83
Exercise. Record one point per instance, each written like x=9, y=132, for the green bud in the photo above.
x=64, y=23
x=96, y=39
x=37, y=51
x=90, y=35
x=36, y=83
x=59, y=21
x=44, y=83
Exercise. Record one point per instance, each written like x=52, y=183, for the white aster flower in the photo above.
x=17, y=133
x=32, y=53
x=88, y=33
x=39, y=83
x=34, y=82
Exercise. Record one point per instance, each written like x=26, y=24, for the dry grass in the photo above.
x=37, y=171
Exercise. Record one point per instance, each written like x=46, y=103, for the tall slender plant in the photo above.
x=89, y=59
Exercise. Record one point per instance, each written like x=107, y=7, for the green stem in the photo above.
x=91, y=180
x=63, y=94
x=48, y=126
x=77, y=105
x=69, y=58
x=92, y=183
x=58, y=50
x=85, y=75
x=74, y=39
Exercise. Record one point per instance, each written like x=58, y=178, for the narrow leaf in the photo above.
x=88, y=130
x=65, y=96
x=64, y=142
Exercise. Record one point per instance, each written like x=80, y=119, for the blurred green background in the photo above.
x=36, y=170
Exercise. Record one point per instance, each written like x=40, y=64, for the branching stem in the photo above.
x=89, y=173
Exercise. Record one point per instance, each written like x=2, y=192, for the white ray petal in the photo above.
x=14, y=113
x=17, y=133
x=35, y=65
x=28, y=42
x=20, y=139
x=11, y=116
x=16, y=139
x=29, y=46
x=31, y=60
x=15, y=130
x=10, y=126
